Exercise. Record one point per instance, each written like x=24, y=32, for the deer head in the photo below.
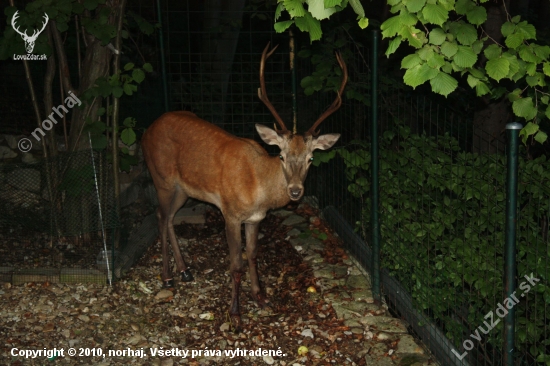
x=296, y=150
x=29, y=40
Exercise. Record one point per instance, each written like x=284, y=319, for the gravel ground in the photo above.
x=136, y=322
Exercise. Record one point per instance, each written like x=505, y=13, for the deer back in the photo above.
x=186, y=152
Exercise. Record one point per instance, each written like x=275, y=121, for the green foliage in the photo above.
x=327, y=75
x=308, y=20
x=443, y=225
x=449, y=39
x=125, y=82
x=315, y=233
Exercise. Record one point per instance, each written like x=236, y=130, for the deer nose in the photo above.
x=295, y=193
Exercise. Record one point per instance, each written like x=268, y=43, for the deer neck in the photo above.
x=274, y=181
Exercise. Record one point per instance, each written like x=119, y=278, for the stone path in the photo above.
x=387, y=341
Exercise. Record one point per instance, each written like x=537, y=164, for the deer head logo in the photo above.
x=29, y=40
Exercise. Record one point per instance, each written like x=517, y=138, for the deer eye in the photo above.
x=281, y=157
x=311, y=159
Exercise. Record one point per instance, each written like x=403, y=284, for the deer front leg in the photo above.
x=251, y=232
x=233, y=234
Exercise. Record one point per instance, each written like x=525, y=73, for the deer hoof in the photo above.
x=186, y=276
x=237, y=323
x=168, y=283
x=263, y=302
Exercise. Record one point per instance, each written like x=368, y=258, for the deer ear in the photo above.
x=324, y=142
x=269, y=136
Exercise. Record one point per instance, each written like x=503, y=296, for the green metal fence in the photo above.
x=442, y=226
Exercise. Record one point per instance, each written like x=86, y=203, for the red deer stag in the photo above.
x=190, y=157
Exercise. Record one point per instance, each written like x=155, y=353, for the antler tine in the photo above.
x=45, y=22
x=262, y=93
x=13, y=19
x=337, y=102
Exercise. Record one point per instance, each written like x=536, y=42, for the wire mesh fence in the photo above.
x=442, y=203
x=442, y=225
x=50, y=217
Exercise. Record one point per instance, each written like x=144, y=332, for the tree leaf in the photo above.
x=393, y=45
x=117, y=91
x=391, y=26
x=528, y=30
x=546, y=68
x=529, y=129
x=435, y=14
x=410, y=61
x=443, y=84
x=541, y=137
x=465, y=57
x=332, y=3
x=363, y=23
x=477, y=15
x=526, y=53
x=482, y=89
x=128, y=136
x=148, y=67
x=413, y=35
x=294, y=8
x=99, y=142
x=514, y=40
x=90, y=4
x=449, y=49
x=437, y=36
x=466, y=33
x=492, y=51
x=357, y=7
x=472, y=81
x=280, y=27
x=541, y=51
x=279, y=10
x=138, y=75
x=309, y=24
x=514, y=64
x=436, y=61
x=497, y=68
x=129, y=66
x=463, y=6
x=318, y=10
x=507, y=29
x=419, y=75
x=414, y=6
x=524, y=107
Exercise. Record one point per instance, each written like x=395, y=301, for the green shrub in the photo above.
x=442, y=222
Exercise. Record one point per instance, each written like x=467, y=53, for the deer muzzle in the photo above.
x=295, y=192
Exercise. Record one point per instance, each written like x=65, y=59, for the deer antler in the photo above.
x=25, y=35
x=337, y=102
x=262, y=93
x=13, y=19
x=45, y=24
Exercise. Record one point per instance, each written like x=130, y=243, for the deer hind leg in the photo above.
x=251, y=232
x=233, y=234
x=169, y=204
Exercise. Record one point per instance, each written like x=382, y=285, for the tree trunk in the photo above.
x=490, y=121
x=79, y=205
x=488, y=125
